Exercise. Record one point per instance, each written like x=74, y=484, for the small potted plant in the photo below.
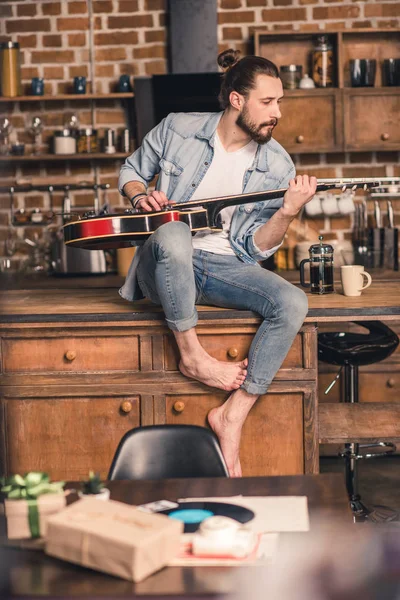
x=94, y=488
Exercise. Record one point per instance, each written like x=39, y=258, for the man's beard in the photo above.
x=254, y=131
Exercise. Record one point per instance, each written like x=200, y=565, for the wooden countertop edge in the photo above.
x=246, y=317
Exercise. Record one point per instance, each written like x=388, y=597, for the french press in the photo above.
x=321, y=268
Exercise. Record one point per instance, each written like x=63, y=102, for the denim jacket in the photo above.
x=180, y=150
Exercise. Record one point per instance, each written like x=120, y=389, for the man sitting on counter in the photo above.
x=208, y=155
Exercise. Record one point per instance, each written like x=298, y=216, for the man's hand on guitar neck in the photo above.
x=301, y=189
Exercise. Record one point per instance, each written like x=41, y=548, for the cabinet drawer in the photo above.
x=231, y=347
x=383, y=131
x=66, y=437
x=373, y=387
x=317, y=127
x=278, y=447
x=70, y=354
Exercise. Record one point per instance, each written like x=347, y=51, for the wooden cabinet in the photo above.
x=371, y=119
x=276, y=438
x=341, y=117
x=69, y=391
x=63, y=435
x=303, y=130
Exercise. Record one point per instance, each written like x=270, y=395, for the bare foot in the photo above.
x=228, y=435
x=215, y=373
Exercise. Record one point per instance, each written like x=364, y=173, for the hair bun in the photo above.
x=228, y=58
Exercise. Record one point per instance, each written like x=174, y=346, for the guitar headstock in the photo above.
x=348, y=184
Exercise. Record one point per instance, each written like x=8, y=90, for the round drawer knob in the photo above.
x=300, y=139
x=70, y=355
x=384, y=137
x=391, y=382
x=233, y=352
x=126, y=406
x=179, y=406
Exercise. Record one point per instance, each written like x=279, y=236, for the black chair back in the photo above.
x=167, y=452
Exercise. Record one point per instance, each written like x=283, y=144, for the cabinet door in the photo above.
x=372, y=119
x=276, y=439
x=65, y=437
x=311, y=121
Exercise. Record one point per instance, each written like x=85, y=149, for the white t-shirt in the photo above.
x=224, y=178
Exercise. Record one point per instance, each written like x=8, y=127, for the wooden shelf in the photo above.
x=58, y=157
x=63, y=97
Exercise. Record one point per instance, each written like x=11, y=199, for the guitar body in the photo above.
x=118, y=231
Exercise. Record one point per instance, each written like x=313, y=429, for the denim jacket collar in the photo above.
x=208, y=130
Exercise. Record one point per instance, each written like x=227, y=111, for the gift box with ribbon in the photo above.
x=113, y=537
x=30, y=500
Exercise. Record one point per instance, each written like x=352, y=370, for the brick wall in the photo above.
x=130, y=37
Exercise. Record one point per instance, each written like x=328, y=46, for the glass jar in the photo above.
x=290, y=76
x=322, y=61
x=87, y=140
x=64, y=142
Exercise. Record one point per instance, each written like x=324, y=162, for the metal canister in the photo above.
x=10, y=69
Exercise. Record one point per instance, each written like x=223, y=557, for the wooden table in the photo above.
x=27, y=572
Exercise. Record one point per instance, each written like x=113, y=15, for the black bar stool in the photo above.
x=350, y=351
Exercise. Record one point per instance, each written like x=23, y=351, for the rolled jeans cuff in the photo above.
x=255, y=388
x=183, y=324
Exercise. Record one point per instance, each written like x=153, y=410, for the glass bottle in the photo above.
x=322, y=62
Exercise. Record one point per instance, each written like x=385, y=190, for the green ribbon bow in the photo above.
x=29, y=488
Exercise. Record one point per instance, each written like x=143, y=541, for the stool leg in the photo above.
x=359, y=509
x=351, y=450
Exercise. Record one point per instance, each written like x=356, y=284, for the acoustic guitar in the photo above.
x=106, y=231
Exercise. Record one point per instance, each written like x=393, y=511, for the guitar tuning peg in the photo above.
x=354, y=188
x=344, y=188
x=365, y=187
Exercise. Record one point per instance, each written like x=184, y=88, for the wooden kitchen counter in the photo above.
x=83, y=304
x=80, y=366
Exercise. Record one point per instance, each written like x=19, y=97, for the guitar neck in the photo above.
x=322, y=185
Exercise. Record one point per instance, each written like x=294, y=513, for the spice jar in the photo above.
x=290, y=76
x=322, y=61
x=64, y=142
x=87, y=140
x=10, y=69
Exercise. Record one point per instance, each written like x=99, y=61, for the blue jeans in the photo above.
x=175, y=276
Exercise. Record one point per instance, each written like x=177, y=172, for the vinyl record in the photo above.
x=193, y=513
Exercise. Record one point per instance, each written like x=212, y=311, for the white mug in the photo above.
x=352, y=279
x=330, y=205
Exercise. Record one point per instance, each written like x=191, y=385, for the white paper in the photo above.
x=273, y=514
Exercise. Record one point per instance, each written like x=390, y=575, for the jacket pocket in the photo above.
x=170, y=168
